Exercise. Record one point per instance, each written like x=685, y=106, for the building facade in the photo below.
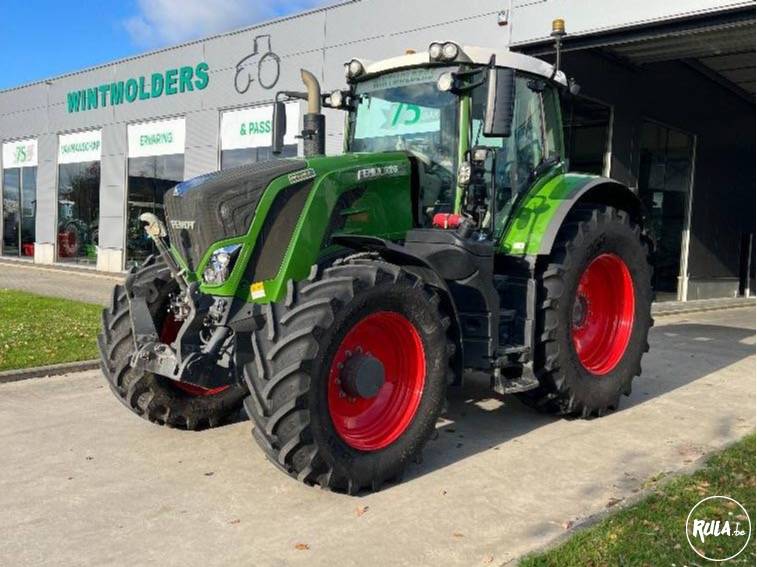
x=666, y=106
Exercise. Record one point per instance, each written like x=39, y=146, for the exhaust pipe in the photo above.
x=314, y=122
x=314, y=91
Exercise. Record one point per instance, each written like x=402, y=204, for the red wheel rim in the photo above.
x=168, y=332
x=370, y=424
x=603, y=314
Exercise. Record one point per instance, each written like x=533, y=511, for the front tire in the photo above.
x=349, y=375
x=152, y=397
x=594, y=314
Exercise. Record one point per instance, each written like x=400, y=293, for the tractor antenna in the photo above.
x=558, y=32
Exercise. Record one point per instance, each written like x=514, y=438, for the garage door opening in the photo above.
x=587, y=131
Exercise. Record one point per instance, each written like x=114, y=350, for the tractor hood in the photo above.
x=217, y=206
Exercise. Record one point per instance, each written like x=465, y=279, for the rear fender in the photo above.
x=534, y=226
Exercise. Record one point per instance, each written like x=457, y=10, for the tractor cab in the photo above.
x=480, y=127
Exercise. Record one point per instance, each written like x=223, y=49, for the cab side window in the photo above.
x=528, y=129
x=528, y=145
x=553, y=138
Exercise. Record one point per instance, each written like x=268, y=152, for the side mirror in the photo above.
x=278, y=127
x=500, y=102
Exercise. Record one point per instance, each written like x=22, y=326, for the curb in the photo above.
x=662, y=310
x=45, y=371
x=70, y=270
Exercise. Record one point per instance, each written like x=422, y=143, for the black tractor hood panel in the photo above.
x=212, y=207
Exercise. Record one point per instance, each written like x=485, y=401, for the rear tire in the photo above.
x=152, y=397
x=295, y=402
x=594, y=314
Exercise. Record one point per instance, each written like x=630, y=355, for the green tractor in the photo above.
x=337, y=298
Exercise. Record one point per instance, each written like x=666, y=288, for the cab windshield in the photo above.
x=405, y=111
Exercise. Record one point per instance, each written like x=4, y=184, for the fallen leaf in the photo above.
x=361, y=510
x=301, y=546
x=457, y=534
x=613, y=501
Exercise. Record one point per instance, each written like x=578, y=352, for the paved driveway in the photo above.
x=81, y=285
x=84, y=482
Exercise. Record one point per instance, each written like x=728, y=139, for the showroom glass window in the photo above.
x=78, y=196
x=19, y=198
x=246, y=135
x=156, y=164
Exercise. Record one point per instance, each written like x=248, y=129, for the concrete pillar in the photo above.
x=47, y=199
x=113, y=175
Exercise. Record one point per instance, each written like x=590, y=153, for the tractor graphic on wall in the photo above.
x=265, y=67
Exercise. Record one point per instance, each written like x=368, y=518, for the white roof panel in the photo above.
x=469, y=54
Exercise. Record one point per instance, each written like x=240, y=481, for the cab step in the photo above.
x=510, y=350
x=515, y=385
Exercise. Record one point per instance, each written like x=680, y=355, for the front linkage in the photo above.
x=203, y=342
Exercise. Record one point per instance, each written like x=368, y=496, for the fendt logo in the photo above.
x=183, y=224
x=718, y=528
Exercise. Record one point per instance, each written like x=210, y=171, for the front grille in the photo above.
x=219, y=205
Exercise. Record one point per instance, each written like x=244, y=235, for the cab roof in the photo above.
x=467, y=54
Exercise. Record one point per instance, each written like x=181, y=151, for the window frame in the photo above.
x=182, y=155
x=22, y=170
x=69, y=262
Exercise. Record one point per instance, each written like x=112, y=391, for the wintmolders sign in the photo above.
x=170, y=82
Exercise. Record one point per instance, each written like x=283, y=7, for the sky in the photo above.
x=44, y=38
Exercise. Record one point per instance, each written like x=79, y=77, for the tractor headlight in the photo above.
x=353, y=69
x=435, y=51
x=220, y=264
x=445, y=82
x=337, y=99
x=450, y=51
x=447, y=51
